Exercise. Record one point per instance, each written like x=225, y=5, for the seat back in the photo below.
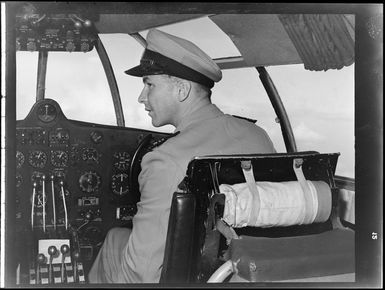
x=193, y=246
x=177, y=263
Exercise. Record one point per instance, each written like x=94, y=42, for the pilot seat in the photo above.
x=258, y=218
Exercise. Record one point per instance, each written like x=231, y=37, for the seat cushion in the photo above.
x=275, y=259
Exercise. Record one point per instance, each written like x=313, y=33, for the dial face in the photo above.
x=122, y=160
x=47, y=113
x=59, y=158
x=96, y=137
x=119, y=184
x=19, y=159
x=90, y=154
x=89, y=181
x=37, y=159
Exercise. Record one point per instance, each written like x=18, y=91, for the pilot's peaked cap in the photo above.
x=172, y=55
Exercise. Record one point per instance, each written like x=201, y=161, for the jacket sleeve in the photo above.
x=144, y=253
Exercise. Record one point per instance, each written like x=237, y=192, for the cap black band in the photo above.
x=156, y=63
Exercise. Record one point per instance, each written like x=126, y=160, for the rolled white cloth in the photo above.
x=278, y=204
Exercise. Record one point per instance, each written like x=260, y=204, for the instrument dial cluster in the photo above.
x=90, y=154
x=37, y=158
x=59, y=158
x=119, y=184
x=89, y=181
x=121, y=160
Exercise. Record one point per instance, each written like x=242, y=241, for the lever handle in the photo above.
x=41, y=259
x=53, y=201
x=43, y=184
x=52, y=251
x=64, y=249
x=33, y=203
x=64, y=203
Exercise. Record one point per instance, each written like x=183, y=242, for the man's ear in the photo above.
x=184, y=88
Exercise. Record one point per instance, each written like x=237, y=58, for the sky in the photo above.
x=320, y=105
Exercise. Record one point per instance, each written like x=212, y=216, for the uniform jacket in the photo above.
x=205, y=131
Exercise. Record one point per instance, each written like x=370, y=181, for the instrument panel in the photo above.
x=73, y=176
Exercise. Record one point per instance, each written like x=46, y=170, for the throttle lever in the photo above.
x=53, y=201
x=64, y=249
x=52, y=250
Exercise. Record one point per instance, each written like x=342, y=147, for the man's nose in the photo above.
x=142, y=97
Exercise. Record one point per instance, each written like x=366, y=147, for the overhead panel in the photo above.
x=131, y=23
x=260, y=38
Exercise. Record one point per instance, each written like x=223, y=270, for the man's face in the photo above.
x=159, y=99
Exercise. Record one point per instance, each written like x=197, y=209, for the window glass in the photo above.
x=124, y=53
x=26, y=80
x=75, y=80
x=241, y=93
x=320, y=106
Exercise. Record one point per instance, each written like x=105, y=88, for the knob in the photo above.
x=64, y=249
x=88, y=216
x=76, y=255
x=52, y=250
x=41, y=259
x=87, y=23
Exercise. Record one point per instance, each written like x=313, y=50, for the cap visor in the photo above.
x=136, y=71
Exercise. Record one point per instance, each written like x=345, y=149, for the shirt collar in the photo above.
x=199, y=115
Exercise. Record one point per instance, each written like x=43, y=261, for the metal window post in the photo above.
x=279, y=109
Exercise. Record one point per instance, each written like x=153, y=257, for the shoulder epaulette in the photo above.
x=159, y=142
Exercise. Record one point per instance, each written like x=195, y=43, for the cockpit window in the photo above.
x=320, y=106
x=75, y=80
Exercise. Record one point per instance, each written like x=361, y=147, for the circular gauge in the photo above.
x=37, y=159
x=90, y=154
x=122, y=160
x=59, y=158
x=119, y=184
x=96, y=137
x=89, y=181
x=19, y=159
x=46, y=113
x=19, y=180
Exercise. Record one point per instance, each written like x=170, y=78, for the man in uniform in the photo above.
x=178, y=77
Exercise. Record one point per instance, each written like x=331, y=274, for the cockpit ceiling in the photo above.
x=260, y=38
x=132, y=23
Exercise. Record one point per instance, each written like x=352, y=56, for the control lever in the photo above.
x=33, y=203
x=64, y=203
x=88, y=217
x=52, y=251
x=64, y=249
x=76, y=257
x=53, y=201
x=43, y=177
x=40, y=261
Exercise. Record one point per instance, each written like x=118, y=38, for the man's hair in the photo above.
x=198, y=87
